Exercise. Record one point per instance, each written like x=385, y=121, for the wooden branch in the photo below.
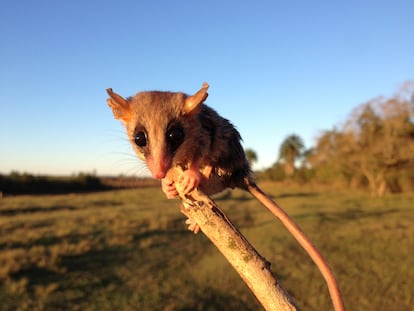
x=251, y=266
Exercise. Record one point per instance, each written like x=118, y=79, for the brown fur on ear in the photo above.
x=193, y=103
x=119, y=105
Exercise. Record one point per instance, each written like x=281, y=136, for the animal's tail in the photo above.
x=303, y=240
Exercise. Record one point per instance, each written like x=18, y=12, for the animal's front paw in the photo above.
x=168, y=188
x=190, y=180
x=192, y=226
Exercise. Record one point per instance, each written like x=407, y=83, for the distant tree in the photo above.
x=306, y=156
x=376, y=144
x=251, y=155
x=276, y=173
x=335, y=158
x=290, y=150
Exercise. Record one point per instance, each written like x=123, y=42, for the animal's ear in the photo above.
x=119, y=105
x=193, y=103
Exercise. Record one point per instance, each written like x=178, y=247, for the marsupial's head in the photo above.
x=162, y=127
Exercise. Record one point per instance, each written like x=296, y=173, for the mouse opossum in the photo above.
x=169, y=129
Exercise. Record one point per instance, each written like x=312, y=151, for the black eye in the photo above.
x=175, y=137
x=140, y=139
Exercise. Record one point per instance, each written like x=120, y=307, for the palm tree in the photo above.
x=290, y=150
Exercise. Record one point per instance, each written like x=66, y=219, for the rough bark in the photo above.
x=251, y=266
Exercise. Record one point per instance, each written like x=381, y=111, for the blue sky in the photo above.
x=274, y=68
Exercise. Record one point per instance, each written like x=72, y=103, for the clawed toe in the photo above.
x=192, y=226
x=169, y=189
x=190, y=180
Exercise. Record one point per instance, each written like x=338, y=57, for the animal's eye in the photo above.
x=140, y=139
x=175, y=137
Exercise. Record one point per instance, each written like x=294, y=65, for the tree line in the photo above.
x=372, y=149
x=25, y=183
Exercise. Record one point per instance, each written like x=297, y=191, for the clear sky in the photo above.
x=274, y=68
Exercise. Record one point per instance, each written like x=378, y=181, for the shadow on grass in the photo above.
x=36, y=209
x=49, y=240
x=160, y=238
x=297, y=195
x=246, y=196
x=351, y=214
x=212, y=299
x=57, y=208
x=94, y=260
x=86, y=271
x=127, y=271
x=37, y=276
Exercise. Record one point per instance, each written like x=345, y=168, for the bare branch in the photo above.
x=251, y=266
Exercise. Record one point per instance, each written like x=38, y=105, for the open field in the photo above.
x=129, y=250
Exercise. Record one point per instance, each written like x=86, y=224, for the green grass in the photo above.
x=129, y=250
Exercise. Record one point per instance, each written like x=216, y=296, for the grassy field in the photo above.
x=129, y=250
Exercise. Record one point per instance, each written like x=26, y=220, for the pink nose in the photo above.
x=158, y=168
x=158, y=175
